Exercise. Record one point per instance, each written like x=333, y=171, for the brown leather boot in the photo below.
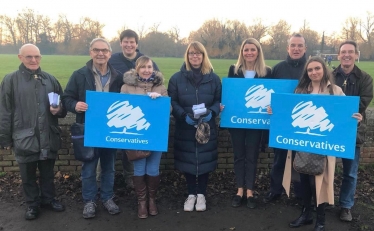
x=141, y=192
x=152, y=184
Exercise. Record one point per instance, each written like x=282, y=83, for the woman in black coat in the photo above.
x=194, y=84
x=246, y=142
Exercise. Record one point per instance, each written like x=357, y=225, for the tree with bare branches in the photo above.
x=366, y=32
x=257, y=30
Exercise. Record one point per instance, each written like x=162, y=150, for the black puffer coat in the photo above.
x=190, y=156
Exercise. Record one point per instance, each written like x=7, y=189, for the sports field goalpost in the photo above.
x=336, y=56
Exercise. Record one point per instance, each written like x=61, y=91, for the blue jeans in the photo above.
x=348, y=188
x=89, y=187
x=149, y=165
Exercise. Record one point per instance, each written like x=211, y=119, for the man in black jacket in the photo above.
x=291, y=68
x=355, y=82
x=123, y=62
x=97, y=75
x=29, y=125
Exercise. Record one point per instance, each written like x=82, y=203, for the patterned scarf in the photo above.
x=150, y=79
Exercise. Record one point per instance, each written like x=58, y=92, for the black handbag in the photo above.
x=309, y=163
x=81, y=152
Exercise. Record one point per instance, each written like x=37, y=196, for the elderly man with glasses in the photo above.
x=97, y=75
x=29, y=126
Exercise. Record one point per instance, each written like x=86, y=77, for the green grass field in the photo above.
x=63, y=66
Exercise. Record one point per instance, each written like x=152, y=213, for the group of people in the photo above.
x=28, y=124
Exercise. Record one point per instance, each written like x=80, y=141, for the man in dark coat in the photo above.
x=291, y=68
x=29, y=125
x=97, y=75
x=123, y=62
x=355, y=82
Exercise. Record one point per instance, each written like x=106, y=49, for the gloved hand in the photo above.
x=190, y=120
x=153, y=95
x=207, y=116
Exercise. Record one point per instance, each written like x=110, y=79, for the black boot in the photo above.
x=306, y=218
x=320, y=223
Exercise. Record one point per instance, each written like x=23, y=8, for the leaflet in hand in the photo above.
x=54, y=99
x=198, y=110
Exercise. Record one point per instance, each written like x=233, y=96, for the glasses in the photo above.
x=194, y=53
x=97, y=51
x=30, y=57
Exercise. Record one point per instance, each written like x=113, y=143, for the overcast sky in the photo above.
x=322, y=15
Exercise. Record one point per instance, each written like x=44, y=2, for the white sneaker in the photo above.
x=201, y=203
x=189, y=203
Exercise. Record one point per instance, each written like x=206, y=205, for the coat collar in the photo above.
x=131, y=78
x=356, y=71
x=90, y=76
x=29, y=75
x=296, y=62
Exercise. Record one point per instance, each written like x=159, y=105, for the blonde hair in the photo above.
x=206, y=65
x=141, y=62
x=259, y=67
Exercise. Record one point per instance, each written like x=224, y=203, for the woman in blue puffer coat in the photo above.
x=195, y=83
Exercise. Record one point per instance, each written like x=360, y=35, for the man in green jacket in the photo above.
x=29, y=126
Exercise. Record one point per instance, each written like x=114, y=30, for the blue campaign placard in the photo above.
x=246, y=101
x=127, y=121
x=320, y=124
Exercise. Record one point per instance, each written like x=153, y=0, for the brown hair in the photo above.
x=304, y=82
x=129, y=34
x=351, y=42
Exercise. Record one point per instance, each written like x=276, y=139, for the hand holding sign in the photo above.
x=357, y=116
x=81, y=107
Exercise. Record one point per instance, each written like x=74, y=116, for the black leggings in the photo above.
x=309, y=191
x=197, y=185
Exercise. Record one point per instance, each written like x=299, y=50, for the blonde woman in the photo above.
x=195, y=83
x=144, y=80
x=246, y=142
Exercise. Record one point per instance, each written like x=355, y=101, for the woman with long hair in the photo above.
x=195, y=84
x=246, y=142
x=316, y=79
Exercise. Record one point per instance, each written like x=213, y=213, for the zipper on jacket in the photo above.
x=197, y=95
x=197, y=161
